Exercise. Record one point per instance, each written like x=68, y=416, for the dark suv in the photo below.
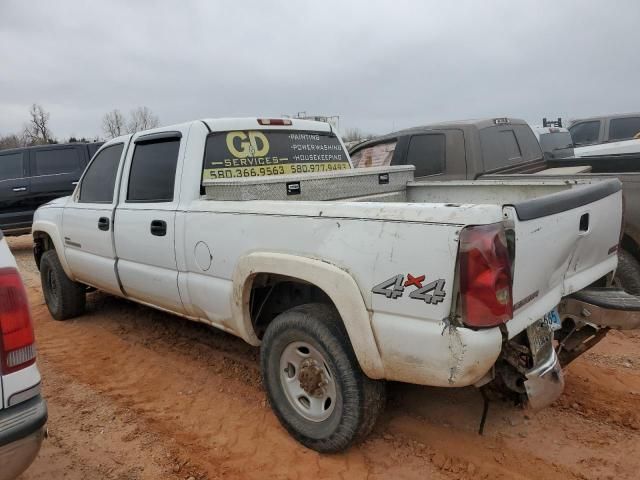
x=32, y=176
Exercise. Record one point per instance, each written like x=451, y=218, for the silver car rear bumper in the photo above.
x=16, y=457
x=22, y=428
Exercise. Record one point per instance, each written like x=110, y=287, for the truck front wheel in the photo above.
x=64, y=297
x=314, y=382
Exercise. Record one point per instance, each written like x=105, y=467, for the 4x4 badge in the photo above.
x=394, y=287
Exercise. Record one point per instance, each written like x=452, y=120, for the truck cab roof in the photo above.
x=466, y=149
x=468, y=125
x=603, y=117
x=54, y=146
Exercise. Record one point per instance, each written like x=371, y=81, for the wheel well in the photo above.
x=630, y=246
x=41, y=243
x=273, y=294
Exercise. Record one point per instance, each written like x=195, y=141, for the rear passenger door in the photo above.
x=15, y=185
x=87, y=222
x=145, y=220
x=55, y=172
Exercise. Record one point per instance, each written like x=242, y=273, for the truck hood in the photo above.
x=57, y=202
x=611, y=148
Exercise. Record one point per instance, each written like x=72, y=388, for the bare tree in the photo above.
x=11, y=141
x=113, y=124
x=354, y=134
x=142, y=118
x=37, y=130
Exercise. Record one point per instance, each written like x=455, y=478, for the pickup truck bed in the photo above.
x=624, y=168
x=506, y=149
x=344, y=278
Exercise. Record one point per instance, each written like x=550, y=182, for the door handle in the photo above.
x=103, y=223
x=74, y=183
x=158, y=228
x=20, y=189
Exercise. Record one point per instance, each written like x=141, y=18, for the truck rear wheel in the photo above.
x=64, y=297
x=314, y=382
x=628, y=273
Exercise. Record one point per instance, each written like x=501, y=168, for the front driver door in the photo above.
x=87, y=222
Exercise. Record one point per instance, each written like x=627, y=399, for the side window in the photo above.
x=153, y=171
x=99, y=180
x=427, y=153
x=500, y=147
x=511, y=147
x=51, y=162
x=11, y=166
x=379, y=155
x=624, y=128
x=585, y=133
x=529, y=146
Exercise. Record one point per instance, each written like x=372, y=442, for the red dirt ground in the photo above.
x=138, y=394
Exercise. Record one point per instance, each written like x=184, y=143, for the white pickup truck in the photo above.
x=345, y=277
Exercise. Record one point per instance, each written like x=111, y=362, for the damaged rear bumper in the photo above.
x=530, y=367
x=545, y=382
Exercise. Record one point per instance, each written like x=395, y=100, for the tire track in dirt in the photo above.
x=197, y=392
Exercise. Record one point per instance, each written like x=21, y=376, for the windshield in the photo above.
x=257, y=153
x=556, y=143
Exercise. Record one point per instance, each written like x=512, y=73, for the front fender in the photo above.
x=53, y=231
x=338, y=284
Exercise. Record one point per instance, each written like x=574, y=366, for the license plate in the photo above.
x=540, y=335
x=552, y=319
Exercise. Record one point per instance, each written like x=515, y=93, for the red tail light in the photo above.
x=17, y=349
x=485, y=276
x=274, y=121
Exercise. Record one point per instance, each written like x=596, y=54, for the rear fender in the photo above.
x=334, y=281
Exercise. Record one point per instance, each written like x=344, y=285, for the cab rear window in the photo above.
x=257, y=153
x=379, y=155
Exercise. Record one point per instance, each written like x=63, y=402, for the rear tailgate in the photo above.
x=564, y=242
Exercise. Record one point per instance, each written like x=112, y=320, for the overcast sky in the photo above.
x=378, y=65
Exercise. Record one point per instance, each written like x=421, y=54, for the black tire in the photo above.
x=359, y=399
x=628, y=273
x=64, y=297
